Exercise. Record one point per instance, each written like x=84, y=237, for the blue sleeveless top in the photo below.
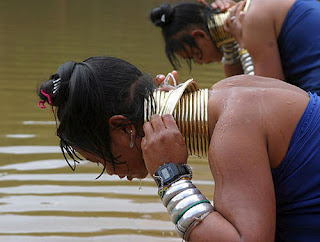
x=297, y=180
x=299, y=45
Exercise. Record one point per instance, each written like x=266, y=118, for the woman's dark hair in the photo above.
x=175, y=22
x=87, y=95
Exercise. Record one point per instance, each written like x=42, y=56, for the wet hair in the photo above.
x=176, y=22
x=89, y=93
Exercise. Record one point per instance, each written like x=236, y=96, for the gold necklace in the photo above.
x=189, y=106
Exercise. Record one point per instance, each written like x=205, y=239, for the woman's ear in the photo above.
x=199, y=33
x=121, y=122
x=122, y=130
x=116, y=121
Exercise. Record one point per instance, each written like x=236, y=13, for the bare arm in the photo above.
x=244, y=196
x=232, y=70
x=259, y=37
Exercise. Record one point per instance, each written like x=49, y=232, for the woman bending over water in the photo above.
x=261, y=137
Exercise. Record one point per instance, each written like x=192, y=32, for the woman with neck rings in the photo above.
x=282, y=37
x=256, y=132
x=195, y=32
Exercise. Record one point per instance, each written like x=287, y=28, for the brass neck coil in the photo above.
x=215, y=24
x=189, y=106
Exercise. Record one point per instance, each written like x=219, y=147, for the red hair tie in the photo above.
x=41, y=102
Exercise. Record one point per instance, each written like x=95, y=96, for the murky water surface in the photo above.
x=41, y=199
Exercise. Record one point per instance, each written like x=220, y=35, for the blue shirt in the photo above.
x=297, y=180
x=299, y=45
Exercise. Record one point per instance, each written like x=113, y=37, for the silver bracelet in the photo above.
x=246, y=61
x=182, y=195
x=175, y=189
x=230, y=53
x=193, y=214
x=195, y=222
x=185, y=204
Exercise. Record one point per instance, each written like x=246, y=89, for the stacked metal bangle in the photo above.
x=246, y=61
x=230, y=53
x=186, y=205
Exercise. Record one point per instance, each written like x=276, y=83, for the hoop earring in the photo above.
x=131, y=141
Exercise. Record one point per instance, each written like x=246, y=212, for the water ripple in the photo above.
x=32, y=149
x=76, y=204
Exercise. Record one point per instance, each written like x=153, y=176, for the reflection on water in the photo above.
x=31, y=122
x=111, y=238
x=40, y=204
x=35, y=165
x=20, y=136
x=41, y=199
x=30, y=149
x=67, y=203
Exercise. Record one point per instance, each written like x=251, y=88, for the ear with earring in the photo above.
x=131, y=144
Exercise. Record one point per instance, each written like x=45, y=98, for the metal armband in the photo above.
x=230, y=53
x=186, y=205
x=246, y=61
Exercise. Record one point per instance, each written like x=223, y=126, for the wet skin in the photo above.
x=251, y=122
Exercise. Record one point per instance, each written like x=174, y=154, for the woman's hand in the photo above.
x=171, y=81
x=223, y=5
x=233, y=23
x=162, y=143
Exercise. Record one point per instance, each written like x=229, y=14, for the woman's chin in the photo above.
x=140, y=176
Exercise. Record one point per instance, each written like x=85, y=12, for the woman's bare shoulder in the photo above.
x=244, y=92
x=249, y=82
x=258, y=7
x=264, y=15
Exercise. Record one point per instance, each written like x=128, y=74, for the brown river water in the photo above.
x=41, y=198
